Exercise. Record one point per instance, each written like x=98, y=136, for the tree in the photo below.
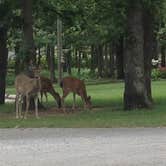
x=136, y=94
x=7, y=17
x=3, y=62
x=28, y=46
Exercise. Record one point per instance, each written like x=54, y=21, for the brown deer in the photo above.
x=47, y=87
x=76, y=86
x=27, y=87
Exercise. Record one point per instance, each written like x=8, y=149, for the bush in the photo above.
x=159, y=73
x=162, y=71
x=155, y=74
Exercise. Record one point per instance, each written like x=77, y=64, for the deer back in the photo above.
x=24, y=84
x=73, y=84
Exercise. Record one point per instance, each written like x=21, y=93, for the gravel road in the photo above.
x=83, y=147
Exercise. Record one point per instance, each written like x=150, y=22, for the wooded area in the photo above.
x=112, y=39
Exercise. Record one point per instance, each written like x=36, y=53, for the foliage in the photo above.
x=159, y=73
x=155, y=75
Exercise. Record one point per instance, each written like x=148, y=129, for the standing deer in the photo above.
x=27, y=87
x=71, y=84
x=46, y=86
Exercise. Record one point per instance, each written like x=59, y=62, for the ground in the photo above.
x=91, y=147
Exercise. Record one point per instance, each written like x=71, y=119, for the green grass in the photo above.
x=107, y=112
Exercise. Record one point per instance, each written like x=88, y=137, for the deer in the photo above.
x=76, y=86
x=27, y=87
x=47, y=87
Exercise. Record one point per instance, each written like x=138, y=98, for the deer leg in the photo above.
x=36, y=107
x=17, y=105
x=63, y=103
x=83, y=102
x=41, y=95
x=46, y=97
x=74, y=101
x=27, y=106
x=20, y=106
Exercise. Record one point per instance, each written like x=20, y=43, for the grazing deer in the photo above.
x=71, y=84
x=27, y=87
x=46, y=86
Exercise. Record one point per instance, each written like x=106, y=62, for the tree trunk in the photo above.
x=39, y=57
x=17, y=60
x=119, y=59
x=3, y=63
x=107, y=61
x=79, y=62
x=112, y=60
x=135, y=94
x=48, y=58
x=163, y=57
x=93, y=64
x=100, y=60
x=148, y=49
x=59, y=47
x=28, y=42
x=52, y=65
x=68, y=61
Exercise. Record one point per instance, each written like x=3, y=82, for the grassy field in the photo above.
x=107, y=111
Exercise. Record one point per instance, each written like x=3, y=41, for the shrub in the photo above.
x=155, y=75
x=162, y=71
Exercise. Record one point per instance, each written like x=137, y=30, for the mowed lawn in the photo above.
x=107, y=110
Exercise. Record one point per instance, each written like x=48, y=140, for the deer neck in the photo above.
x=85, y=95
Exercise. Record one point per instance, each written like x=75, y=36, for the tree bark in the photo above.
x=119, y=59
x=93, y=64
x=39, y=57
x=112, y=50
x=17, y=60
x=3, y=63
x=149, y=43
x=163, y=57
x=52, y=65
x=68, y=61
x=135, y=94
x=48, y=50
x=79, y=62
x=100, y=60
x=28, y=42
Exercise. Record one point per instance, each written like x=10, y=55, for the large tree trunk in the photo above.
x=28, y=42
x=148, y=49
x=29, y=48
x=3, y=63
x=135, y=94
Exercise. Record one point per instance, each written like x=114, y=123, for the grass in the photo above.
x=107, y=111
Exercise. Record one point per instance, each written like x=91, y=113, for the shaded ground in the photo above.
x=91, y=147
